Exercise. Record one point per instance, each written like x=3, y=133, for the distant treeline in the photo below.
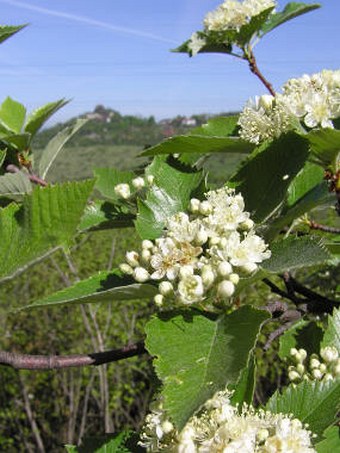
x=109, y=127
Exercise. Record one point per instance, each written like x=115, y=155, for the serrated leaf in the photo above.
x=19, y=141
x=263, y=179
x=39, y=116
x=331, y=443
x=325, y=147
x=170, y=193
x=312, y=402
x=290, y=11
x=243, y=391
x=252, y=28
x=102, y=215
x=48, y=218
x=332, y=333
x=6, y=31
x=3, y=153
x=295, y=253
x=103, y=287
x=55, y=145
x=108, y=178
x=12, y=115
x=223, y=126
x=309, y=177
x=212, y=45
x=110, y=443
x=303, y=334
x=15, y=185
x=200, y=144
x=197, y=356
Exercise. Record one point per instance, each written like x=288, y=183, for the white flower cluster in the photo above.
x=201, y=257
x=123, y=190
x=232, y=14
x=311, y=101
x=219, y=427
x=325, y=367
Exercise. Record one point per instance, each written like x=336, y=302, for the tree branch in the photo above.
x=31, y=176
x=325, y=228
x=250, y=57
x=45, y=362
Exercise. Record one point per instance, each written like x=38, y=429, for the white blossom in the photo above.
x=196, y=43
x=190, y=289
x=138, y=183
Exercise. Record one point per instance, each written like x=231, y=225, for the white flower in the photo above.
x=132, y=258
x=196, y=43
x=250, y=250
x=191, y=289
x=329, y=354
x=166, y=288
x=122, y=191
x=225, y=289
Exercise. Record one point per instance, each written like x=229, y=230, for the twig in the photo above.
x=325, y=228
x=46, y=362
x=250, y=57
x=31, y=176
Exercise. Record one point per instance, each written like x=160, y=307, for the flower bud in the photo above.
x=201, y=237
x=122, y=191
x=194, y=205
x=158, y=299
x=126, y=269
x=224, y=269
x=225, y=289
x=138, y=183
x=247, y=225
x=323, y=368
x=141, y=275
x=302, y=354
x=249, y=267
x=132, y=258
x=314, y=363
x=293, y=376
x=266, y=101
x=328, y=377
x=262, y=435
x=300, y=368
x=337, y=369
x=293, y=352
x=208, y=276
x=234, y=278
x=329, y=354
x=146, y=255
x=146, y=244
x=167, y=427
x=165, y=288
x=150, y=179
x=205, y=208
x=316, y=373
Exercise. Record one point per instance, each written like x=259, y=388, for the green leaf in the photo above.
x=295, y=253
x=331, y=443
x=170, y=193
x=48, y=218
x=108, y=178
x=253, y=28
x=263, y=179
x=309, y=177
x=303, y=334
x=332, y=334
x=15, y=185
x=12, y=115
x=200, y=144
x=110, y=443
x=102, y=215
x=243, y=391
x=19, y=141
x=290, y=11
x=212, y=45
x=55, y=145
x=312, y=402
x=197, y=356
x=223, y=126
x=103, y=287
x=39, y=116
x=6, y=31
x=325, y=147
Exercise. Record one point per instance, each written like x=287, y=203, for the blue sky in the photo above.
x=116, y=53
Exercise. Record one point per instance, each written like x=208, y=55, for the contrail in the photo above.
x=87, y=20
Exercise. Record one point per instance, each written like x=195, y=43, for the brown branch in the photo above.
x=31, y=176
x=46, y=362
x=250, y=57
x=325, y=228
